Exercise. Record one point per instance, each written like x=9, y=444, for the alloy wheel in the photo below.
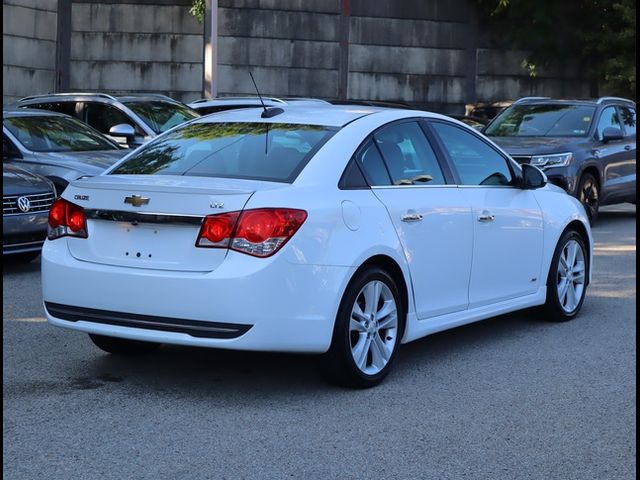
x=373, y=327
x=571, y=276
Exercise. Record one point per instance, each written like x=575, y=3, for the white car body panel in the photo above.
x=292, y=298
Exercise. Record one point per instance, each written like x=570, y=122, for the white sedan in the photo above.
x=341, y=231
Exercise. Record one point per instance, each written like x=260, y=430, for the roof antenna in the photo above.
x=268, y=112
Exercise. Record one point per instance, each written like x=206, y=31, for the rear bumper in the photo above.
x=282, y=306
x=23, y=233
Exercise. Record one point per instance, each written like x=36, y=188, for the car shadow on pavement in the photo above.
x=200, y=371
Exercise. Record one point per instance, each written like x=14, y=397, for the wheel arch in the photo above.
x=390, y=266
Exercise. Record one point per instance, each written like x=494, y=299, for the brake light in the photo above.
x=260, y=232
x=66, y=219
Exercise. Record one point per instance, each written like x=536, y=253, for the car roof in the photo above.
x=561, y=101
x=307, y=114
x=30, y=112
x=78, y=96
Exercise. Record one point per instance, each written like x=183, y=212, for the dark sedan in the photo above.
x=26, y=199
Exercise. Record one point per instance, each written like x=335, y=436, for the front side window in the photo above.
x=161, y=116
x=56, y=134
x=262, y=151
x=477, y=163
x=608, y=119
x=102, y=117
x=542, y=120
x=409, y=158
x=629, y=120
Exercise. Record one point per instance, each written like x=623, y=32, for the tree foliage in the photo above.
x=197, y=9
x=599, y=34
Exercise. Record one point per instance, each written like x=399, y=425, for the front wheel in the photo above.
x=567, y=280
x=122, y=346
x=367, y=332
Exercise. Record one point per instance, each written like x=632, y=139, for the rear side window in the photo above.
x=262, y=151
x=629, y=121
x=68, y=108
x=408, y=155
x=476, y=162
x=373, y=166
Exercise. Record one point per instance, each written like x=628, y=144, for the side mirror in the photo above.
x=532, y=177
x=122, y=130
x=611, y=134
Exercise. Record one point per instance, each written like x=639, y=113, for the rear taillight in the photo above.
x=260, y=232
x=66, y=219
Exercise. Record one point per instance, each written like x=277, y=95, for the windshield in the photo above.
x=261, y=151
x=551, y=120
x=56, y=134
x=161, y=116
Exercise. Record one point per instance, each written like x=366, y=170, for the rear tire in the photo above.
x=589, y=195
x=123, y=346
x=567, y=279
x=367, y=332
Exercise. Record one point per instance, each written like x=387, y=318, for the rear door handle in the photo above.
x=627, y=147
x=411, y=217
x=486, y=216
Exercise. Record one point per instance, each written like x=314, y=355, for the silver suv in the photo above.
x=130, y=119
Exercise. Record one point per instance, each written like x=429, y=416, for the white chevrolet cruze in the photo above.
x=339, y=231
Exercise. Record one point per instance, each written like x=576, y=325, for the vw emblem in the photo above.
x=24, y=204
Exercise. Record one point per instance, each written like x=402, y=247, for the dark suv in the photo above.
x=587, y=147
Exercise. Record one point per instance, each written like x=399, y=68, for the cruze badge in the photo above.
x=136, y=200
x=24, y=204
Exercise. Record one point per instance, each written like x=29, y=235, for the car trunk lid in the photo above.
x=152, y=222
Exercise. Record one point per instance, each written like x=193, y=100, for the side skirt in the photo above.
x=416, y=328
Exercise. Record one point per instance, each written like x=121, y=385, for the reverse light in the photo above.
x=553, y=160
x=259, y=232
x=66, y=219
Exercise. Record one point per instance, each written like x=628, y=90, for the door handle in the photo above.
x=411, y=217
x=627, y=147
x=486, y=216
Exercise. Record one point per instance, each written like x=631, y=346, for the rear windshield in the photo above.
x=259, y=151
x=161, y=116
x=542, y=121
x=56, y=134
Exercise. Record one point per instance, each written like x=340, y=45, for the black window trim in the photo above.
x=447, y=173
x=515, y=171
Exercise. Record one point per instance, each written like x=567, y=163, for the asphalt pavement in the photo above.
x=508, y=398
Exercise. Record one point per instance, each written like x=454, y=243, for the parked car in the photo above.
x=476, y=123
x=487, y=111
x=205, y=106
x=130, y=119
x=327, y=230
x=55, y=146
x=586, y=147
x=26, y=199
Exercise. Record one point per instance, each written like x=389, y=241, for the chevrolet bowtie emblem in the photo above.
x=136, y=200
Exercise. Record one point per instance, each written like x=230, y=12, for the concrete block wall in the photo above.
x=29, y=30
x=429, y=53
x=291, y=47
x=127, y=46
